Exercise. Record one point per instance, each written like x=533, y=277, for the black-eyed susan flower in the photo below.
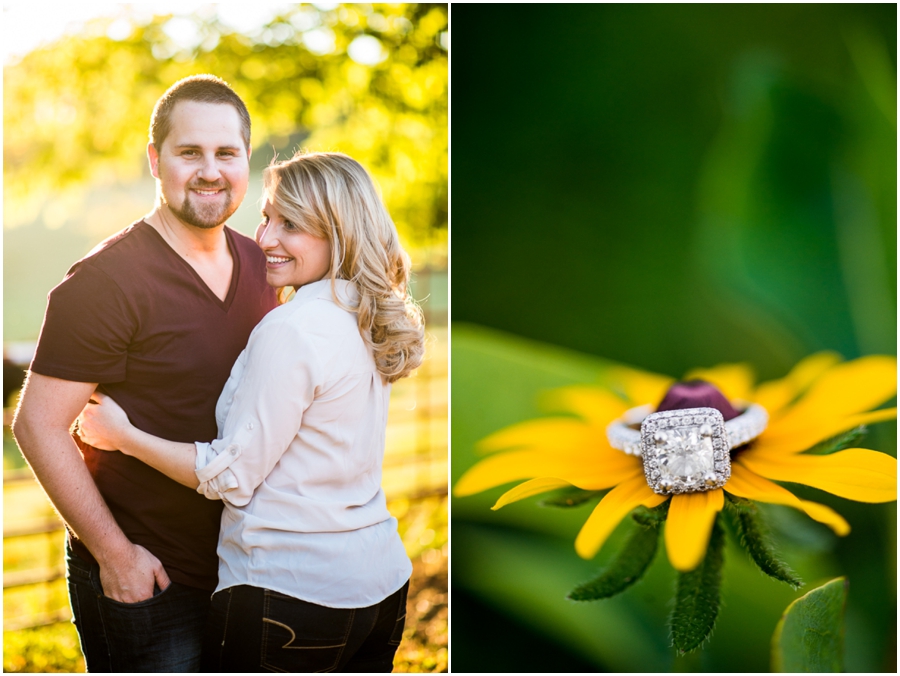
x=820, y=399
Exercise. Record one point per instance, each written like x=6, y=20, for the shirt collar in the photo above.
x=344, y=290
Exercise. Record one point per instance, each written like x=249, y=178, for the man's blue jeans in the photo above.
x=160, y=634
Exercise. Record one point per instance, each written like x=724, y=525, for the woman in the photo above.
x=312, y=573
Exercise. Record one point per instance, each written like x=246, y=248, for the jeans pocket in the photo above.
x=79, y=572
x=157, y=598
x=159, y=634
x=302, y=637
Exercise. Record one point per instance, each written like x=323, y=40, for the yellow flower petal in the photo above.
x=612, y=509
x=773, y=443
x=529, y=488
x=588, y=469
x=774, y=395
x=596, y=406
x=640, y=387
x=745, y=483
x=689, y=525
x=826, y=515
x=856, y=474
x=564, y=433
x=734, y=380
x=844, y=390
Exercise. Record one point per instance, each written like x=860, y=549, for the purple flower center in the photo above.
x=697, y=394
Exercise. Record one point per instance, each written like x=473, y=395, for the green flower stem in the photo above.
x=687, y=663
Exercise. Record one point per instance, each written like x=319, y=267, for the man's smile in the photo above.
x=208, y=192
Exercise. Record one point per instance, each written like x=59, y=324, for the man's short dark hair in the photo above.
x=201, y=89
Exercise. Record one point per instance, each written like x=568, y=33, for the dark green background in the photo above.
x=673, y=185
x=667, y=186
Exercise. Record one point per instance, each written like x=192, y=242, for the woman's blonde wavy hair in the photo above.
x=331, y=196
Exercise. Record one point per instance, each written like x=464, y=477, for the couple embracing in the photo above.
x=222, y=495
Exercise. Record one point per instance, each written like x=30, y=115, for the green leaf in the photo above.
x=840, y=442
x=698, y=596
x=810, y=635
x=754, y=536
x=627, y=568
x=570, y=497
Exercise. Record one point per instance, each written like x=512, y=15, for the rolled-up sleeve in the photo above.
x=213, y=470
x=276, y=385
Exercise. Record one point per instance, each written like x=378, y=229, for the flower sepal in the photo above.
x=753, y=534
x=698, y=596
x=631, y=562
x=840, y=442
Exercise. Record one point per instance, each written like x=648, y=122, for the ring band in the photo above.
x=746, y=427
x=685, y=450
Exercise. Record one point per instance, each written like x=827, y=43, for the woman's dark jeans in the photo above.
x=162, y=634
x=252, y=629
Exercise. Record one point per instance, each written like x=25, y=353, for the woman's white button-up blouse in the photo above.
x=298, y=459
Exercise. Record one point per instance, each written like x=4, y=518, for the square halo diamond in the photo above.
x=685, y=451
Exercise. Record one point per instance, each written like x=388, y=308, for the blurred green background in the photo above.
x=665, y=186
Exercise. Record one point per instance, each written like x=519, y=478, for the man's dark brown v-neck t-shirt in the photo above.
x=137, y=318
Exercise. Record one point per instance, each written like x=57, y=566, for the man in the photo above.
x=156, y=315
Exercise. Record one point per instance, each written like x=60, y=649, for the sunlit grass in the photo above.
x=50, y=649
x=425, y=640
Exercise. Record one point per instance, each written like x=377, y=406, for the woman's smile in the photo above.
x=294, y=257
x=273, y=262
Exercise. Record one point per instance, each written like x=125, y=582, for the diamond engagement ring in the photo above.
x=685, y=450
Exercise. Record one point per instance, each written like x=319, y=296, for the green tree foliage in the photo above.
x=79, y=109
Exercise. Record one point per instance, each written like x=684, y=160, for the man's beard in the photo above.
x=206, y=216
